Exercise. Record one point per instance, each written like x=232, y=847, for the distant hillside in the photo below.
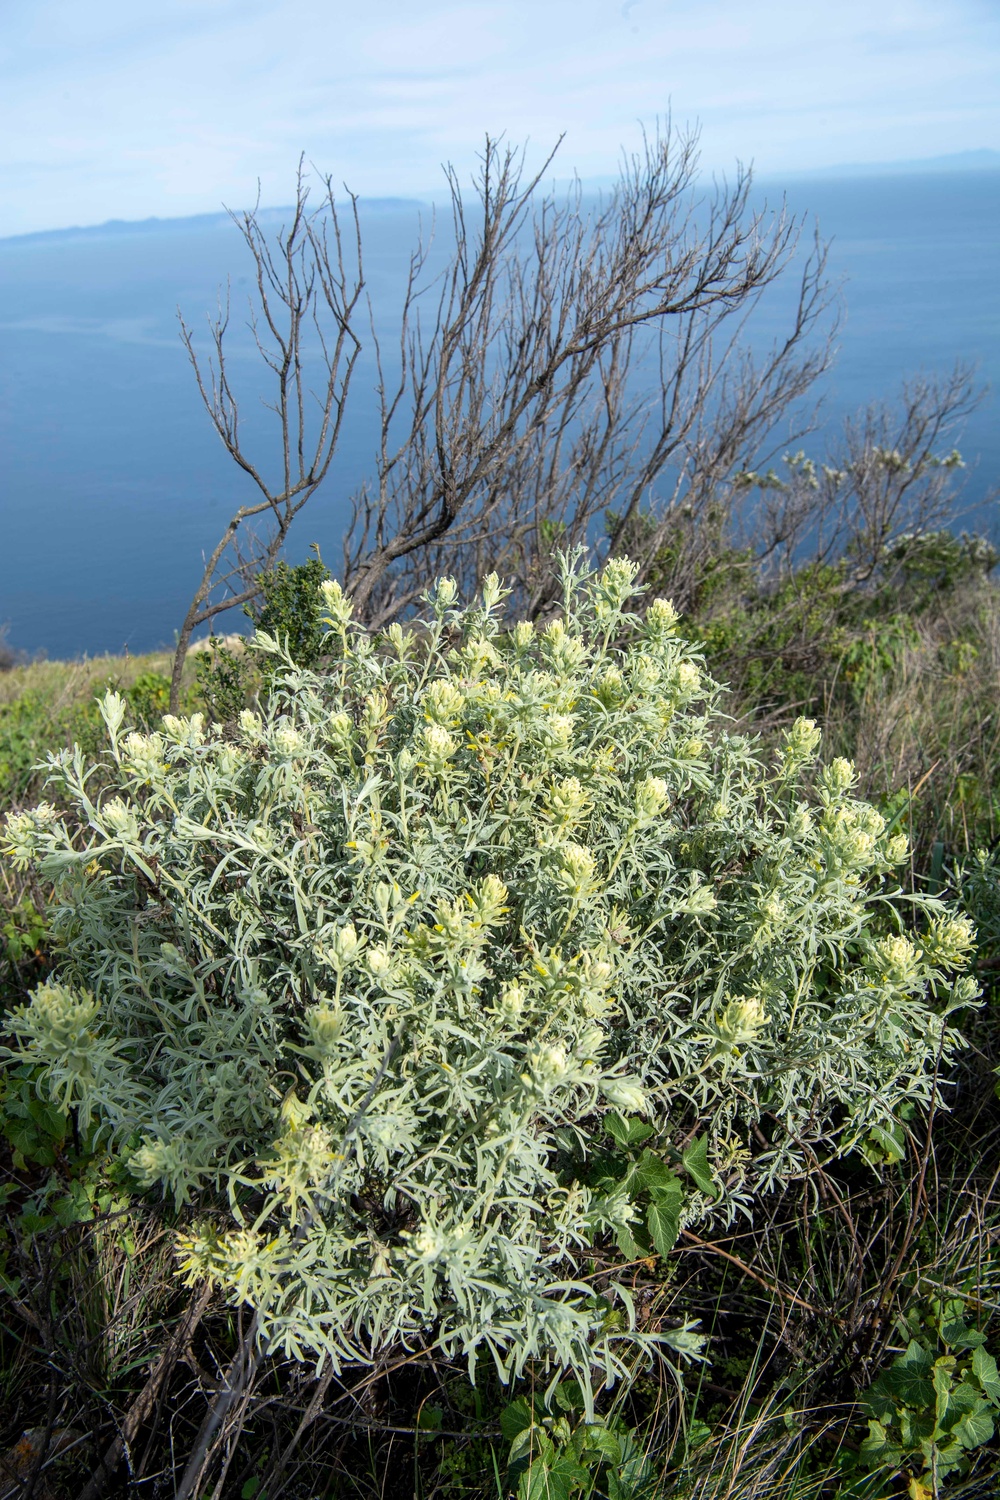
x=958, y=161
x=121, y=227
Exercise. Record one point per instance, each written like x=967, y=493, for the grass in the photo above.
x=804, y=1307
x=45, y=705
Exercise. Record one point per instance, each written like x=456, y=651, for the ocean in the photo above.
x=113, y=482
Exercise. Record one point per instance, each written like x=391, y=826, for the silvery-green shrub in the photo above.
x=361, y=981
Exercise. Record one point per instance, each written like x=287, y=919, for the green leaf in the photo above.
x=605, y=1444
x=652, y=1173
x=539, y=1446
x=957, y=1336
x=532, y=1449
x=627, y=1244
x=663, y=1219
x=890, y=1145
x=551, y=1481
x=877, y=1450
x=909, y=1376
x=516, y=1418
x=698, y=1433
x=916, y=1428
x=568, y=1396
x=429, y=1419
x=29, y=1145
x=630, y=1132
x=695, y=1160
x=879, y=1403
x=984, y=1367
x=866, y=1487
x=73, y=1206
x=974, y=1428
x=961, y=1400
x=942, y=1377
x=48, y=1118
x=633, y=1478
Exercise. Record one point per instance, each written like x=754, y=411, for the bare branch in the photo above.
x=522, y=408
x=525, y=422
x=307, y=300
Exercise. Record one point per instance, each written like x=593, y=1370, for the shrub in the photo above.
x=292, y=613
x=361, y=980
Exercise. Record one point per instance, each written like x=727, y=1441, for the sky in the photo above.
x=122, y=110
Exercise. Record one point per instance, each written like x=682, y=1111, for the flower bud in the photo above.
x=661, y=619
x=838, y=777
x=325, y=1023
x=445, y=594
x=625, y=1093
x=801, y=744
x=651, y=796
x=339, y=608
x=439, y=747
x=379, y=961
x=742, y=1020
x=121, y=820
x=345, y=944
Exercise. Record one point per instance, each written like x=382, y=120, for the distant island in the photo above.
x=958, y=161
x=154, y=225
x=984, y=160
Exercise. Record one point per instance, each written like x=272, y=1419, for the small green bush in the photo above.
x=290, y=610
x=363, y=980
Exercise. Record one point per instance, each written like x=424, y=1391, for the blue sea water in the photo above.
x=113, y=483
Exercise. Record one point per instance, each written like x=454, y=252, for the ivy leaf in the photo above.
x=627, y=1132
x=957, y=1336
x=878, y=1402
x=515, y=1418
x=429, y=1418
x=73, y=1206
x=603, y=1443
x=909, y=1376
x=627, y=1243
x=942, y=1377
x=695, y=1160
x=635, y=1475
x=877, y=1450
x=698, y=1433
x=889, y=1145
x=984, y=1367
x=663, y=1220
x=961, y=1399
x=555, y=1481
x=532, y=1451
x=975, y=1428
x=568, y=1395
x=652, y=1173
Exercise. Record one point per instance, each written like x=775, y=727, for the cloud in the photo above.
x=124, y=111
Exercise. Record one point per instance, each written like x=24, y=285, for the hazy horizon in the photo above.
x=976, y=159
x=118, y=112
